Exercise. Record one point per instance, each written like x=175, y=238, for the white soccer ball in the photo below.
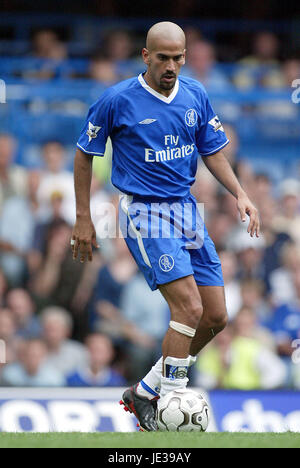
x=183, y=411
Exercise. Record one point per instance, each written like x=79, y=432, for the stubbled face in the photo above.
x=164, y=64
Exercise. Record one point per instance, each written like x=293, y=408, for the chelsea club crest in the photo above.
x=191, y=117
x=166, y=263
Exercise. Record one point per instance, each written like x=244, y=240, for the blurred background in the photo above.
x=99, y=325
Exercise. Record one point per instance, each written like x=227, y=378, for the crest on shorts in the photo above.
x=191, y=117
x=166, y=263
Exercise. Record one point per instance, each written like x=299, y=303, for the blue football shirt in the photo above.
x=156, y=139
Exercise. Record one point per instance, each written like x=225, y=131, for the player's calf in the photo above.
x=176, y=369
x=209, y=327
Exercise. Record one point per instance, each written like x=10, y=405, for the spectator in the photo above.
x=291, y=72
x=118, y=45
x=239, y=362
x=63, y=354
x=263, y=188
x=16, y=229
x=220, y=227
x=232, y=286
x=201, y=65
x=205, y=189
x=247, y=325
x=241, y=166
x=55, y=179
x=275, y=240
x=262, y=68
x=104, y=70
x=288, y=220
x=23, y=309
x=17, y=225
x=233, y=147
x=58, y=276
x=296, y=365
x=252, y=295
x=146, y=318
x=285, y=323
x=45, y=43
x=249, y=253
x=8, y=333
x=32, y=370
x=112, y=279
x=13, y=178
x=52, y=52
x=3, y=289
x=192, y=35
x=282, y=286
x=98, y=372
x=34, y=179
x=43, y=232
x=265, y=49
x=120, y=50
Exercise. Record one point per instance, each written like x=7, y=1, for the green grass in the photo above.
x=151, y=440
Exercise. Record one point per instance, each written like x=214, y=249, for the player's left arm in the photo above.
x=219, y=166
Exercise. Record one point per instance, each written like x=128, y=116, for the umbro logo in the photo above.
x=147, y=121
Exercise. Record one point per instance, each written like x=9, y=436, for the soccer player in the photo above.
x=159, y=123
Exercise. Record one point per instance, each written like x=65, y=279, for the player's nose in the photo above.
x=171, y=66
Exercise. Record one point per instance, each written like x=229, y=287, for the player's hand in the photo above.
x=83, y=240
x=246, y=207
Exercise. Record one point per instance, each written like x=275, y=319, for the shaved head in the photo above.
x=164, y=56
x=164, y=32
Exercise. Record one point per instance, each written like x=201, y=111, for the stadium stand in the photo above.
x=48, y=92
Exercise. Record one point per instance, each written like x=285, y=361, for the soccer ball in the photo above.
x=182, y=410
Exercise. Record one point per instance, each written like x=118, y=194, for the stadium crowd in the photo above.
x=260, y=62
x=98, y=324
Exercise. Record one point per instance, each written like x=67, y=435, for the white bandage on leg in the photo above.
x=183, y=329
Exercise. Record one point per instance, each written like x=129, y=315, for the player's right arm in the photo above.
x=91, y=144
x=84, y=233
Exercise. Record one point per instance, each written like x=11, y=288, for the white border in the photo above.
x=160, y=96
x=89, y=152
x=215, y=150
x=125, y=202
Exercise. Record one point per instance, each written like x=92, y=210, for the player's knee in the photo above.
x=222, y=322
x=190, y=314
x=218, y=321
x=196, y=313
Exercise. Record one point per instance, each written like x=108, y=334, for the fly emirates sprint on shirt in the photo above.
x=170, y=152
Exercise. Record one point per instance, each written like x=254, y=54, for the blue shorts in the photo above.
x=169, y=240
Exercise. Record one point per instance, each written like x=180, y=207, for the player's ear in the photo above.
x=146, y=56
x=184, y=57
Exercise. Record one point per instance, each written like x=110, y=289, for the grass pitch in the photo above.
x=149, y=440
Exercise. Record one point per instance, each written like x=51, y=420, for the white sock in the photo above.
x=169, y=385
x=175, y=375
x=193, y=360
x=152, y=380
x=149, y=387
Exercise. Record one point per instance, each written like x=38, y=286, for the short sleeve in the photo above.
x=97, y=127
x=211, y=136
